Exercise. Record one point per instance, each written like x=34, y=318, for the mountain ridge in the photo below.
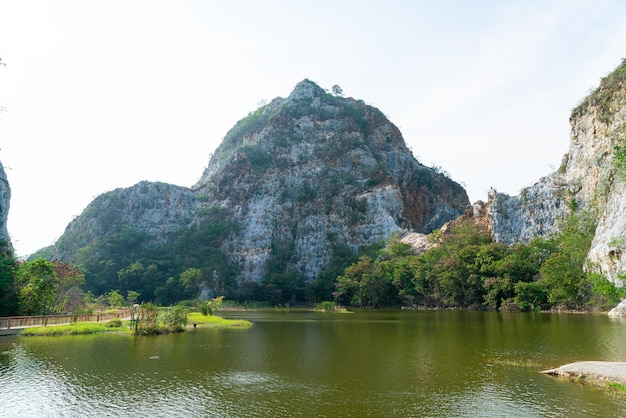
x=315, y=177
x=300, y=178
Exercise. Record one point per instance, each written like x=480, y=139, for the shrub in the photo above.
x=114, y=323
x=530, y=296
x=175, y=317
x=330, y=306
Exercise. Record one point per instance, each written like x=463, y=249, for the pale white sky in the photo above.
x=104, y=94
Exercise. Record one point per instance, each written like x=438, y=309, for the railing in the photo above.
x=9, y=322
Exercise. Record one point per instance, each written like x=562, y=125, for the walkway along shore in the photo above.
x=12, y=325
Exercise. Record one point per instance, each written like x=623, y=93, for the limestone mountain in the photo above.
x=5, y=203
x=293, y=186
x=591, y=177
x=314, y=171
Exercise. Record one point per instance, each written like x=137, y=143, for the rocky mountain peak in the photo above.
x=306, y=174
x=306, y=90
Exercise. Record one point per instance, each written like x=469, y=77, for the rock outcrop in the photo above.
x=596, y=372
x=619, y=311
x=588, y=179
x=313, y=171
x=5, y=203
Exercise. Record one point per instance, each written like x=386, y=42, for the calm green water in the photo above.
x=365, y=364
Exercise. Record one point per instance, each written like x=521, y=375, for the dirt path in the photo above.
x=599, y=371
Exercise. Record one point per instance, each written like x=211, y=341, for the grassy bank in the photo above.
x=212, y=321
x=76, y=329
x=81, y=328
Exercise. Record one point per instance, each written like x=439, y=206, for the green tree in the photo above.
x=191, y=280
x=211, y=306
x=8, y=288
x=458, y=276
x=115, y=298
x=403, y=273
x=348, y=284
x=176, y=317
x=38, y=285
x=563, y=273
x=132, y=297
x=367, y=283
x=530, y=296
x=147, y=319
x=605, y=294
x=141, y=278
x=69, y=295
x=104, y=257
x=170, y=292
x=323, y=287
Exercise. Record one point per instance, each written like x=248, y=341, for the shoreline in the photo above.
x=602, y=373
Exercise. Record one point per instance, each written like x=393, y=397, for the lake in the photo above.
x=299, y=363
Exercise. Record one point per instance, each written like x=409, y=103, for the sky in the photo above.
x=97, y=95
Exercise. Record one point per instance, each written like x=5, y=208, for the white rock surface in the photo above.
x=619, y=310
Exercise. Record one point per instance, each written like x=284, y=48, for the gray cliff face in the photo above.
x=534, y=213
x=5, y=203
x=299, y=179
x=588, y=179
x=153, y=209
x=313, y=171
x=600, y=130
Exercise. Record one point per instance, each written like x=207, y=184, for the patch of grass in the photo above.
x=212, y=321
x=124, y=328
x=329, y=306
x=518, y=362
x=617, y=386
x=73, y=329
x=160, y=329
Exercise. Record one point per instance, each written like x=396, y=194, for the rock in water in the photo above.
x=619, y=310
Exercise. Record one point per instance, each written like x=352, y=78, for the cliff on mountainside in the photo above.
x=5, y=203
x=591, y=177
x=298, y=180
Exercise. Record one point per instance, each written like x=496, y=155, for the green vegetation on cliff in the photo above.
x=38, y=287
x=190, y=263
x=604, y=96
x=468, y=270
